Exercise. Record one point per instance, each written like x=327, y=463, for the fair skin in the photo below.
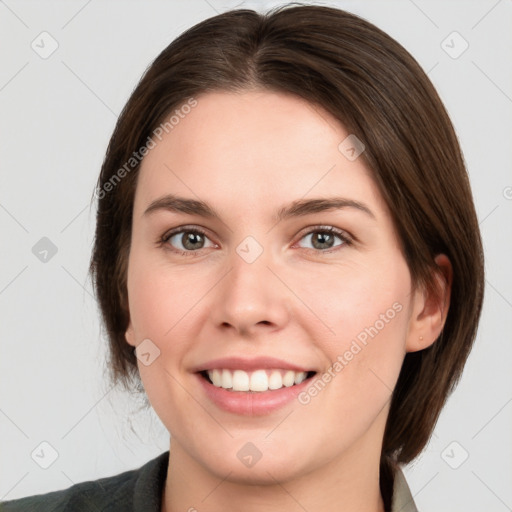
x=248, y=155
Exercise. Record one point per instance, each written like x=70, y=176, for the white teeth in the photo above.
x=258, y=380
x=299, y=377
x=216, y=378
x=275, y=381
x=227, y=379
x=289, y=379
x=240, y=381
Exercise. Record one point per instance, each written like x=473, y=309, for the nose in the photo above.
x=250, y=299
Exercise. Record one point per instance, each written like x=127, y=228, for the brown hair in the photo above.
x=376, y=89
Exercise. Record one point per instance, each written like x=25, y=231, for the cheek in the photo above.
x=360, y=302
x=374, y=318
x=162, y=310
x=165, y=305
x=160, y=299
x=367, y=311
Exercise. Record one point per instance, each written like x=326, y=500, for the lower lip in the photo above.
x=249, y=403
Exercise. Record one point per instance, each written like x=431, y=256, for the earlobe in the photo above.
x=130, y=335
x=430, y=308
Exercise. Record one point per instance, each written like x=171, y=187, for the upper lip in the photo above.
x=256, y=363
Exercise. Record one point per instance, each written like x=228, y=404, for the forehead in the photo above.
x=254, y=147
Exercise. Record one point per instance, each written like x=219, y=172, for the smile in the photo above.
x=252, y=387
x=260, y=380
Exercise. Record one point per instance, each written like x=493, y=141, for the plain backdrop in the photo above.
x=57, y=114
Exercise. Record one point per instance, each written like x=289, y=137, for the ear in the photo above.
x=130, y=335
x=430, y=309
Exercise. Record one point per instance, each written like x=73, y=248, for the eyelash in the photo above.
x=346, y=239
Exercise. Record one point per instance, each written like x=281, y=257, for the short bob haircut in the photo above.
x=377, y=91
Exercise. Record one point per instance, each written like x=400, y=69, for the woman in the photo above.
x=284, y=236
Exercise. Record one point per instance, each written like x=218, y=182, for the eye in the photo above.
x=186, y=240
x=323, y=238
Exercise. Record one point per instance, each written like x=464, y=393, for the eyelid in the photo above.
x=163, y=241
x=346, y=237
x=181, y=229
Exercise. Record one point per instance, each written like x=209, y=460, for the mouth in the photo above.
x=258, y=381
x=252, y=387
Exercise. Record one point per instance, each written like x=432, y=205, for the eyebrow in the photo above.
x=298, y=208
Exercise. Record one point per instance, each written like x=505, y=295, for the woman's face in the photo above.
x=253, y=292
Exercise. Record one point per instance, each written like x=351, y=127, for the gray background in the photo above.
x=57, y=114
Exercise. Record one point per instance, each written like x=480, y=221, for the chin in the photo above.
x=267, y=470
x=262, y=474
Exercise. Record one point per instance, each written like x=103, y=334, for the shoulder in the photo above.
x=123, y=492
